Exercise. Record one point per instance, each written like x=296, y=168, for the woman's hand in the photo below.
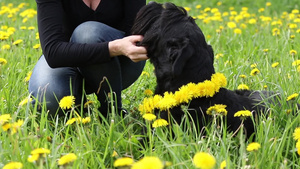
x=127, y=46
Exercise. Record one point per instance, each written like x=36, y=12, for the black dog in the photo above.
x=178, y=50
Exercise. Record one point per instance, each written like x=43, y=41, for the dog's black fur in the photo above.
x=180, y=54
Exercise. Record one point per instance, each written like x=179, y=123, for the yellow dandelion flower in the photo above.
x=288, y=111
x=219, y=79
x=124, y=161
x=231, y=25
x=28, y=76
x=243, y=76
x=3, y=61
x=6, y=126
x=67, y=102
x=237, y=31
x=192, y=91
x=187, y=9
x=233, y=13
x=36, y=46
x=67, y=159
x=243, y=113
x=204, y=160
x=25, y=101
x=86, y=120
x=16, y=126
x=11, y=30
x=298, y=147
x=33, y=158
x=275, y=64
x=296, y=63
x=183, y=95
x=254, y=146
x=254, y=65
x=217, y=109
x=4, y=118
x=243, y=87
x=160, y=123
x=207, y=89
x=292, y=96
x=167, y=101
x=23, y=27
x=114, y=154
x=219, y=55
x=292, y=37
x=31, y=28
x=148, y=92
x=252, y=21
x=145, y=73
x=37, y=36
x=298, y=68
x=254, y=72
x=268, y=4
x=296, y=134
x=207, y=9
x=149, y=116
x=36, y=153
x=149, y=104
x=223, y=165
x=261, y=10
x=275, y=31
x=40, y=151
x=6, y=47
x=13, y=165
x=293, y=26
x=4, y=27
x=293, y=52
x=295, y=11
x=198, y=6
x=17, y=42
x=72, y=120
x=148, y=162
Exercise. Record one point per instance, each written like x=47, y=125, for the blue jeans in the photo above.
x=49, y=85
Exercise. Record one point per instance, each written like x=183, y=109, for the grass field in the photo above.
x=247, y=36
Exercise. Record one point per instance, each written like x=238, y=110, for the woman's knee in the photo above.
x=48, y=86
x=95, y=32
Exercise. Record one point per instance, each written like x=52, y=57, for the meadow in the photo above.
x=256, y=45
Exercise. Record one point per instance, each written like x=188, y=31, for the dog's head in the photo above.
x=172, y=39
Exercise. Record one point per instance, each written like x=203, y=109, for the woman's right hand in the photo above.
x=127, y=47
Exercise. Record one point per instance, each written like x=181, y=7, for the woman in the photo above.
x=82, y=42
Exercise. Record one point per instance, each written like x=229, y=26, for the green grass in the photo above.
x=94, y=143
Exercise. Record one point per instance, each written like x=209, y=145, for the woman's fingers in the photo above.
x=127, y=46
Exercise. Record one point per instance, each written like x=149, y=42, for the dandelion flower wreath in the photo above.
x=185, y=94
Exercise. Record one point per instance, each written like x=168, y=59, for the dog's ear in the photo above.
x=179, y=53
x=146, y=17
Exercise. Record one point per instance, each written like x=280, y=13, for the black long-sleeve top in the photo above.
x=57, y=19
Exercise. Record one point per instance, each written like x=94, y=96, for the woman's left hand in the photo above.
x=127, y=46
